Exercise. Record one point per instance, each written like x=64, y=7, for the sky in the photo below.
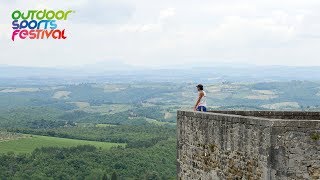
x=150, y=33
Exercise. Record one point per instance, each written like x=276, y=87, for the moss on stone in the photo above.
x=315, y=136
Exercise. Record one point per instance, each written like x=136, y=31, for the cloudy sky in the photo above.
x=170, y=32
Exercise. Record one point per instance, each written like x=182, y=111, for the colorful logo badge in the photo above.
x=35, y=24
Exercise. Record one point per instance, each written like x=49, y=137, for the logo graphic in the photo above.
x=36, y=24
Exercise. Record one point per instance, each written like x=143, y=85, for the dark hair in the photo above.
x=200, y=86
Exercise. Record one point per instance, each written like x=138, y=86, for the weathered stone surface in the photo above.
x=248, y=145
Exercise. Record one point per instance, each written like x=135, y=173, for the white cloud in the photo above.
x=140, y=28
x=157, y=26
x=166, y=13
x=143, y=32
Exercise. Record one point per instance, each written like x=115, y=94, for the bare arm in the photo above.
x=201, y=94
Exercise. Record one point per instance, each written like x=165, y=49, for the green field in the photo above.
x=104, y=125
x=28, y=144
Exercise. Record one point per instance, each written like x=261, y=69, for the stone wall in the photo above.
x=248, y=145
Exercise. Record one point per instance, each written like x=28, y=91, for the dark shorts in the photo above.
x=202, y=108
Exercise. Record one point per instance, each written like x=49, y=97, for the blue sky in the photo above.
x=170, y=33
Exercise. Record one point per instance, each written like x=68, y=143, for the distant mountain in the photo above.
x=119, y=72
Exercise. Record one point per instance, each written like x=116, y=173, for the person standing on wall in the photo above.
x=201, y=104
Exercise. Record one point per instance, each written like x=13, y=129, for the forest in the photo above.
x=117, y=130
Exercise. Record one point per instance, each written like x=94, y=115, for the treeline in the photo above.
x=134, y=136
x=47, y=117
x=88, y=162
x=134, y=116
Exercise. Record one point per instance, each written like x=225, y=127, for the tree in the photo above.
x=114, y=176
x=104, y=177
x=152, y=176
